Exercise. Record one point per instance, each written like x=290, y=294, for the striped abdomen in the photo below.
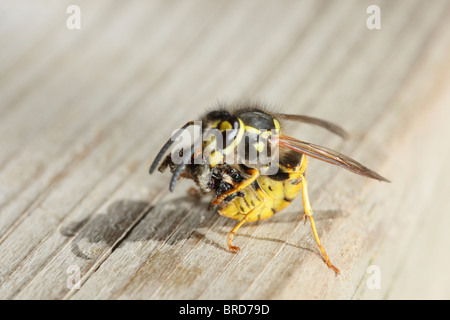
x=268, y=194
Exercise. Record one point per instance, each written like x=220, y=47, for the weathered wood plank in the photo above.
x=82, y=113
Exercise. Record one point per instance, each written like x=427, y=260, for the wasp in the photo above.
x=246, y=188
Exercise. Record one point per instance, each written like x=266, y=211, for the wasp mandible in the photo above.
x=245, y=188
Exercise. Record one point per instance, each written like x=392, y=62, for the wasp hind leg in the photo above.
x=308, y=215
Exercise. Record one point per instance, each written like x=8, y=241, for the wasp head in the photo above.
x=244, y=134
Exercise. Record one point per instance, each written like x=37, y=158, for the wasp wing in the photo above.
x=332, y=127
x=329, y=156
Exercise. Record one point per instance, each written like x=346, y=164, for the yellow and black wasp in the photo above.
x=244, y=188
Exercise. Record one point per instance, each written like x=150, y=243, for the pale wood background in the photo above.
x=83, y=112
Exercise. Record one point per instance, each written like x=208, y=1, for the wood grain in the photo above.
x=83, y=113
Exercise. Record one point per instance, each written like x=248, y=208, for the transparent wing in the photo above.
x=315, y=121
x=329, y=156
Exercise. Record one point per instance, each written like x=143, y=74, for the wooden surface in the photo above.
x=83, y=113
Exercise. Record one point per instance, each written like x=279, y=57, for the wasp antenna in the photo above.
x=167, y=145
x=187, y=157
x=176, y=175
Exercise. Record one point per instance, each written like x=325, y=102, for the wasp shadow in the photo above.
x=169, y=222
x=130, y=220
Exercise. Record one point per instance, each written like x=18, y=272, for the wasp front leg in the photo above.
x=254, y=174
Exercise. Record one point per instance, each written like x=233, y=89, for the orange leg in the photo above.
x=231, y=235
x=308, y=215
x=249, y=216
x=241, y=186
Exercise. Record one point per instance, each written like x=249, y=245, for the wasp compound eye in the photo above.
x=230, y=129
